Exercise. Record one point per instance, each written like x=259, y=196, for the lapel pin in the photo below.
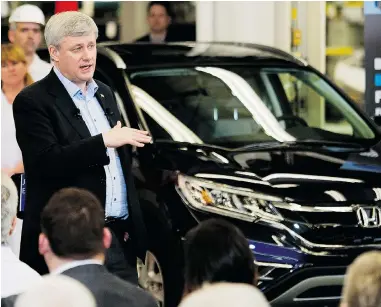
x=103, y=96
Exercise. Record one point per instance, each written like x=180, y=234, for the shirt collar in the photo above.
x=72, y=88
x=74, y=264
x=158, y=38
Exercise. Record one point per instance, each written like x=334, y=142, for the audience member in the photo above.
x=226, y=295
x=159, y=19
x=57, y=291
x=25, y=25
x=16, y=276
x=14, y=77
x=217, y=251
x=362, y=285
x=73, y=242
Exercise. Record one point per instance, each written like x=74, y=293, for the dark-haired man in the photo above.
x=159, y=19
x=73, y=242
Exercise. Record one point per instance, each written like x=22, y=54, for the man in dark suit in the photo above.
x=74, y=245
x=69, y=131
x=159, y=19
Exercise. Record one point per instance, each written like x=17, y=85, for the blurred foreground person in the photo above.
x=53, y=291
x=226, y=295
x=25, y=30
x=217, y=251
x=57, y=291
x=73, y=242
x=16, y=276
x=362, y=285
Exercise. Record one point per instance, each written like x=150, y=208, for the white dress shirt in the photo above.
x=39, y=69
x=16, y=276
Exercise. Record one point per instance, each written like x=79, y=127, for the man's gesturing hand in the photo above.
x=119, y=136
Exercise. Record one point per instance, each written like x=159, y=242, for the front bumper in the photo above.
x=289, y=277
x=314, y=286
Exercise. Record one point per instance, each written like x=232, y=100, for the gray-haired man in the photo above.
x=69, y=131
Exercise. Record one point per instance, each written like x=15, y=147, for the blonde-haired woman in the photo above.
x=14, y=77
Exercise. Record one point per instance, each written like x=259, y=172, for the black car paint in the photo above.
x=157, y=165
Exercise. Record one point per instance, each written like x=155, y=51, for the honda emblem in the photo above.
x=369, y=217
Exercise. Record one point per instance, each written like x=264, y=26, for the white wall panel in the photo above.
x=259, y=22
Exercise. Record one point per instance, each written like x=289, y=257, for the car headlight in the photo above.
x=226, y=200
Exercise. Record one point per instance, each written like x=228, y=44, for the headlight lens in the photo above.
x=226, y=200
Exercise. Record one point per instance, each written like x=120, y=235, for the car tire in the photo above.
x=166, y=251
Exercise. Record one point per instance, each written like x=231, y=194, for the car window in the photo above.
x=233, y=106
x=306, y=103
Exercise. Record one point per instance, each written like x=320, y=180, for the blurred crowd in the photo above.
x=219, y=266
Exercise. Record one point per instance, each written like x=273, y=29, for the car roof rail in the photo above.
x=276, y=51
x=261, y=47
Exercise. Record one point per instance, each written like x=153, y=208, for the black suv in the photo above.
x=240, y=132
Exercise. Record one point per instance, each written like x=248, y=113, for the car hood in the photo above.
x=303, y=176
x=320, y=191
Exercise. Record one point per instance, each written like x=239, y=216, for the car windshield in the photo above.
x=234, y=106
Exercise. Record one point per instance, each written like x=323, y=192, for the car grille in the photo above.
x=321, y=218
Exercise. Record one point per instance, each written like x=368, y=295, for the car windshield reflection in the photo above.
x=234, y=106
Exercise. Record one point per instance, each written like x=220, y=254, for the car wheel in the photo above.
x=161, y=274
x=150, y=277
x=161, y=277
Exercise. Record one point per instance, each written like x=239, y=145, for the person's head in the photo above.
x=14, y=68
x=158, y=16
x=225, y=295
x=9, y=202
x=25, y=25
x=71, y=39
x=57, y=291
x=217, y=251
x=73, y=228
x=362, y=284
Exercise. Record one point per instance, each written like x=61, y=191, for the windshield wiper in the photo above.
x=274, y=145
x=313, y=142
x=304, y=144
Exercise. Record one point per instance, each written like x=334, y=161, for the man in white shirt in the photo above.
x=16, y=276
x=25, y=30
